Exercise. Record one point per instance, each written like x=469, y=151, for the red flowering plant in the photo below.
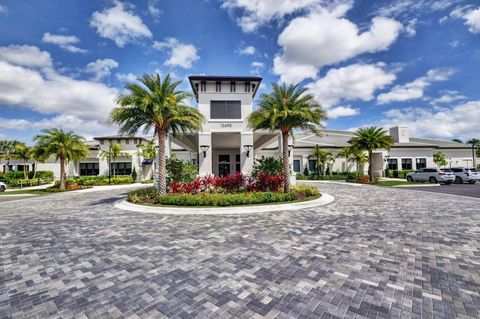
x=268, y=183
x=232, y=183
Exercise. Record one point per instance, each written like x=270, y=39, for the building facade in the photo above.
x=226, y=144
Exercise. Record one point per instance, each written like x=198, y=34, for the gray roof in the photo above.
x=146, y=138
x=338, y=139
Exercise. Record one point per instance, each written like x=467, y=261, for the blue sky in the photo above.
x=405, y=62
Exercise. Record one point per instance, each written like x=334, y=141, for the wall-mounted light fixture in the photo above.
x=248, y=148
x=204, y=149
x=290, y=148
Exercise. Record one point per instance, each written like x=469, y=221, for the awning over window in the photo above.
x=147, y=161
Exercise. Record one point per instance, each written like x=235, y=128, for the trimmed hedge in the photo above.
x=223, y=200
x=150, y=195
x=397, y=174
x=333, y=177
x=102, y=180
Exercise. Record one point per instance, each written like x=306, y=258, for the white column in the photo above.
x=205, y=162
x=290, y=158
x=168, y=146
x=246, y=163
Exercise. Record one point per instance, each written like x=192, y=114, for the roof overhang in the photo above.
x=193, y=78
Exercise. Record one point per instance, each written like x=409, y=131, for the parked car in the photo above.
x=463, y=174
x=3, y=187
x=432, y=175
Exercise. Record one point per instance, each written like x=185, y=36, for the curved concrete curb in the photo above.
x=324, y=200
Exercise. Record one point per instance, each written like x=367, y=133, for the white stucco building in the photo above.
x=226, y=144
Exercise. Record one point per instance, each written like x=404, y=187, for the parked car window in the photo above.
x=457, y=170
x=446, y=170
x=473, y=170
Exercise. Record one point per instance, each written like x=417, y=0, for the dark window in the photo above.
x=203, y=86
x=135, y=141
x=127, y=141
x=225, y=110
x=312, y=165
x=457, y=170
x=237, y=158
x=22, y=168
x=102, y=142
x=122, y=168
x=406, y=163
x=237, y=168
x=296, y=166
x=446, y=170
x=224, y=158
x=392, y=164
x=421, y=162
x=89, y=169
x=232, y=86
x=247, y=86
x=119, y=141
x=218, y=86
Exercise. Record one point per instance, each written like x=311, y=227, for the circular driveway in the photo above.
x=374, y=252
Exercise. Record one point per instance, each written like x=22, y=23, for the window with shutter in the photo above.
x=225, y=110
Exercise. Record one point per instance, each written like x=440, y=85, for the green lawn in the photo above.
x=396, y=183
x=25, y=191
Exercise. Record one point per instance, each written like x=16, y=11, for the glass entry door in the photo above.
x=224, y=165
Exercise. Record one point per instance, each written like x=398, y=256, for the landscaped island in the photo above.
x=224, y=191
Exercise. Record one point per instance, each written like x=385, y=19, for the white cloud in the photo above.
x=448, y=97
x=3, y=9
x=154, y=11
x=126, y=77
x=325, y=37
x=471, y=17
x=257, y=67
x=249, y=50
x=460, y=121
x=25, y=55
x=258, y=12
x=415, y=89
x=410, y=27
x=353, y=82
x=454, y=44
x=119, y=25
x=342, y=111
x=101, y=68
x=180, y=54
x=65, y=42
x=399, y=8
x=47, y=92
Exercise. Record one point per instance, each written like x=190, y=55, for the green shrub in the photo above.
x=268, y=165
x=103, y=180
x=41, y=174
x=304, y=191
x=333, y=177
x=226, y=199
x=134, y=175
x=403, y=174
x=180, y=171
x=142, y=195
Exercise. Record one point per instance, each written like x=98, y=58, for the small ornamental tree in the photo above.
x=268, y=165
x=440, y=159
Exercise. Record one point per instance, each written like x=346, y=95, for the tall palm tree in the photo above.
x=357, y=157
x=23, y=152
x=65, y=146
x=287, y=108
x=457, y=140
x=345, y=152
x=369, y=139
x=475, y=143
x=114, y=152
x=323, y=159
x=156, y=104
x=37, y=154
x=7, y=151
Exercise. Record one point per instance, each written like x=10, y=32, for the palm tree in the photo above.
x=148, y=150
x=285, y=109
x=457, y=140
x=475, y=143
x=345, y=153
x=23, y=152
x=369, y=139
x=37, y=154
x=114, y=152
x=358, y=157
x=156, y=104
x=323, y=159
x=65, y=146
x=7, y=151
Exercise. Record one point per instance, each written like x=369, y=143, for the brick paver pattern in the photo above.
x=373, y=253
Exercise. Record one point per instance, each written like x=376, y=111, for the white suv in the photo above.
x=463, y=175
x=432, y=175
x=3, y=187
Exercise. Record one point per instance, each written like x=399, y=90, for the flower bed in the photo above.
x=101, y=180
x=216, y=198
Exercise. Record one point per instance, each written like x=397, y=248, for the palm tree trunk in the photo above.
x=473, y=157
x=62, y=173
x=114, y=166
x=286, y=162
x=346, y=164
x=25, y=172
x=7, y=166
x=35, y=170
x=161, y=168
x=370, y=168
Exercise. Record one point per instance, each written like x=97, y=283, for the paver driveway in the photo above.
x=374, y=252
